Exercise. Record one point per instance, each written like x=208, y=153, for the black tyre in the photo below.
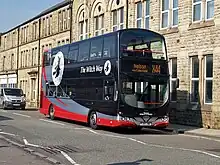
x=93, y=120
x=51, y=112
x=4, y=106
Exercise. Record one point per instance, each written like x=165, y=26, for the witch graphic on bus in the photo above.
x=57, y=68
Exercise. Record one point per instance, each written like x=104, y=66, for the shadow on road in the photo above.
x=128, y=131
x=2, y=118
x=142, y=131
x=138, y=162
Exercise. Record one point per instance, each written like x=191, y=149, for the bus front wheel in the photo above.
x=93, y=120
x=51, y=112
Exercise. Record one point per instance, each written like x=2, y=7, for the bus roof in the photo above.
x=108, y=34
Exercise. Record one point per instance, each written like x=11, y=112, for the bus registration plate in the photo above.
x=146, y=124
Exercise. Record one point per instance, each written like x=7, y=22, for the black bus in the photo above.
x=119, y=79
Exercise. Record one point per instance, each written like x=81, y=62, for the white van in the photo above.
x=12, y=98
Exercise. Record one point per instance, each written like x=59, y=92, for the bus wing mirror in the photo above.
x=177, y=82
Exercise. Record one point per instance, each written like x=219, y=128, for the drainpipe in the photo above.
x=127, y=14
x=18, y=54
x=38, y=66
x=71, y=19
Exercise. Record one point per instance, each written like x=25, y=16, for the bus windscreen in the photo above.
x=143, y=44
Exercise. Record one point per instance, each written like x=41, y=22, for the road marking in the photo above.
x=201, y=137
x=68, y=158
x=5, y=133
x=63, y=153
x=54, y=122
x=153, y=145
x=18, y=114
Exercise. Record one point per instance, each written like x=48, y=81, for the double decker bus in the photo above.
x=119, y=79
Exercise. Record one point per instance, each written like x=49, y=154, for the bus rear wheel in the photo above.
x=93, y=120
x=51, y=112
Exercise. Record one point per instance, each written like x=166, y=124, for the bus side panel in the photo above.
x=62, y=113
x=112, y=121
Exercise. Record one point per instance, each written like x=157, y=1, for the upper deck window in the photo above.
x=143, y=44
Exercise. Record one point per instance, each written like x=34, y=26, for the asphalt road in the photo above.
x=11, y=155
x=84, y=146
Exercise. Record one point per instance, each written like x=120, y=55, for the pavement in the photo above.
x=68, y=142
x=190, y=130
x=11, y=155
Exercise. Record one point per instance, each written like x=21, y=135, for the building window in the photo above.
x=12, y=61
x=197, y=10
x=139, y=15
x=83, y=30
x=169, y=10
x=194, y=97
x=33, y=89
x=147, y=14
x=21, y=57
x=32, y=55
x=173, y=71
x=3, y=63
x=208, y=79
x=140, y=23
x=118, y=19
x=68, y=18
x=60, y=22
x=99, y=25
x=209, y=9
x=198, y=14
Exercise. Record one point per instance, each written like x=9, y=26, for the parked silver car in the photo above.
x=12, y=98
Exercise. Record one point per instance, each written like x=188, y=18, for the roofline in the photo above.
x=49, y=10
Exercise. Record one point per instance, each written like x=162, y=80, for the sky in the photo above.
x=15, y=12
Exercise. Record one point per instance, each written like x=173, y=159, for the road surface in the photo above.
x=72, y=143
x=11, y=155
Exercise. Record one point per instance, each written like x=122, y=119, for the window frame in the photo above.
x=172, y=15
x=145, y=14
x=161, y=15
x=85, y=29
x=141, y=11
x=170, y=11
x=193, y=79
x=173, y=79
x=100, y=30
x=118, y=24
x=201, y=12
x=206, y=9
x=207, y=79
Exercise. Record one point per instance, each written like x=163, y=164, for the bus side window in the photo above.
x=96, y=49
x=46, y=59
x=84, y=48
x=109, y=46
x=65, y=52
x=73, y=54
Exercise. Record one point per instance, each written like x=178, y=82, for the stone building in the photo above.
x=190, y=27
x=21, y=49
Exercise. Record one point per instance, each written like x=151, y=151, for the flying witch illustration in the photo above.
x=57, y=68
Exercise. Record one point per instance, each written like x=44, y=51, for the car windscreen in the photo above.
x=13, y=92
